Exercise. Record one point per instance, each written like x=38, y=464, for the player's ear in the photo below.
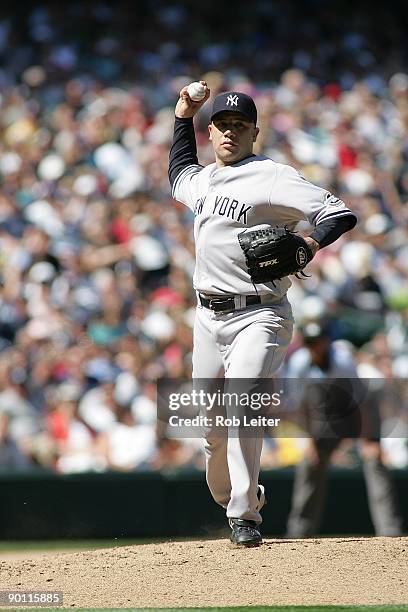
x=256, y=132
x=209, y=132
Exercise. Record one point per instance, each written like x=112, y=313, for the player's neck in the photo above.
x=223, y=164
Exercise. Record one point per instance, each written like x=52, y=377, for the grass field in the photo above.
x=234, y=609
x=66, y=545
x=21, y=549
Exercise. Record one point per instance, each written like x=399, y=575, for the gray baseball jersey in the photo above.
x=256, y=192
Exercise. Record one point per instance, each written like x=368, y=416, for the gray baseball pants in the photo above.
x=246, y=344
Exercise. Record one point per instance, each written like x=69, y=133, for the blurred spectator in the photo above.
x=172, y=453
x=11, y=457
x=126, y=445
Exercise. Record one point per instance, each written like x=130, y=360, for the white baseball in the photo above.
x=196, y=91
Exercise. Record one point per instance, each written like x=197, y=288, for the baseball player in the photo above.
x=243, y=326
x=331, y=362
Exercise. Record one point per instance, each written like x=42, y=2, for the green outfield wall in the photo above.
x=145, y=504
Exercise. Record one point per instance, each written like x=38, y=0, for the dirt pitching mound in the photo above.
x=213, y=573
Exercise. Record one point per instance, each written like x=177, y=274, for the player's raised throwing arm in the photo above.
x=183, y=152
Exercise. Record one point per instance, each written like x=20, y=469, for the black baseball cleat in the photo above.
x=244, y=533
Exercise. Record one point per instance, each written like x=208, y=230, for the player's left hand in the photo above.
x=312, y=244
x=274, y=252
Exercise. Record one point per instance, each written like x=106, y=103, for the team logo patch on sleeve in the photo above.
x=331, y=200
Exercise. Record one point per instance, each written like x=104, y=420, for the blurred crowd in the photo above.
x=96, y=259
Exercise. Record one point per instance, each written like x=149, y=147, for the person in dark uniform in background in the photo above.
x=321, y=358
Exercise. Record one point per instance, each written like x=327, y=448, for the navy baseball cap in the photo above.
x=313, y=331
x=237, y=102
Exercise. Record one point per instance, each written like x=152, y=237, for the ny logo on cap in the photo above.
x=232, y=100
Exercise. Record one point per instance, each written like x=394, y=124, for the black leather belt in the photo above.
x=226, y=304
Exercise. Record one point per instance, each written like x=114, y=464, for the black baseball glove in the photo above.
x=273, y=253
